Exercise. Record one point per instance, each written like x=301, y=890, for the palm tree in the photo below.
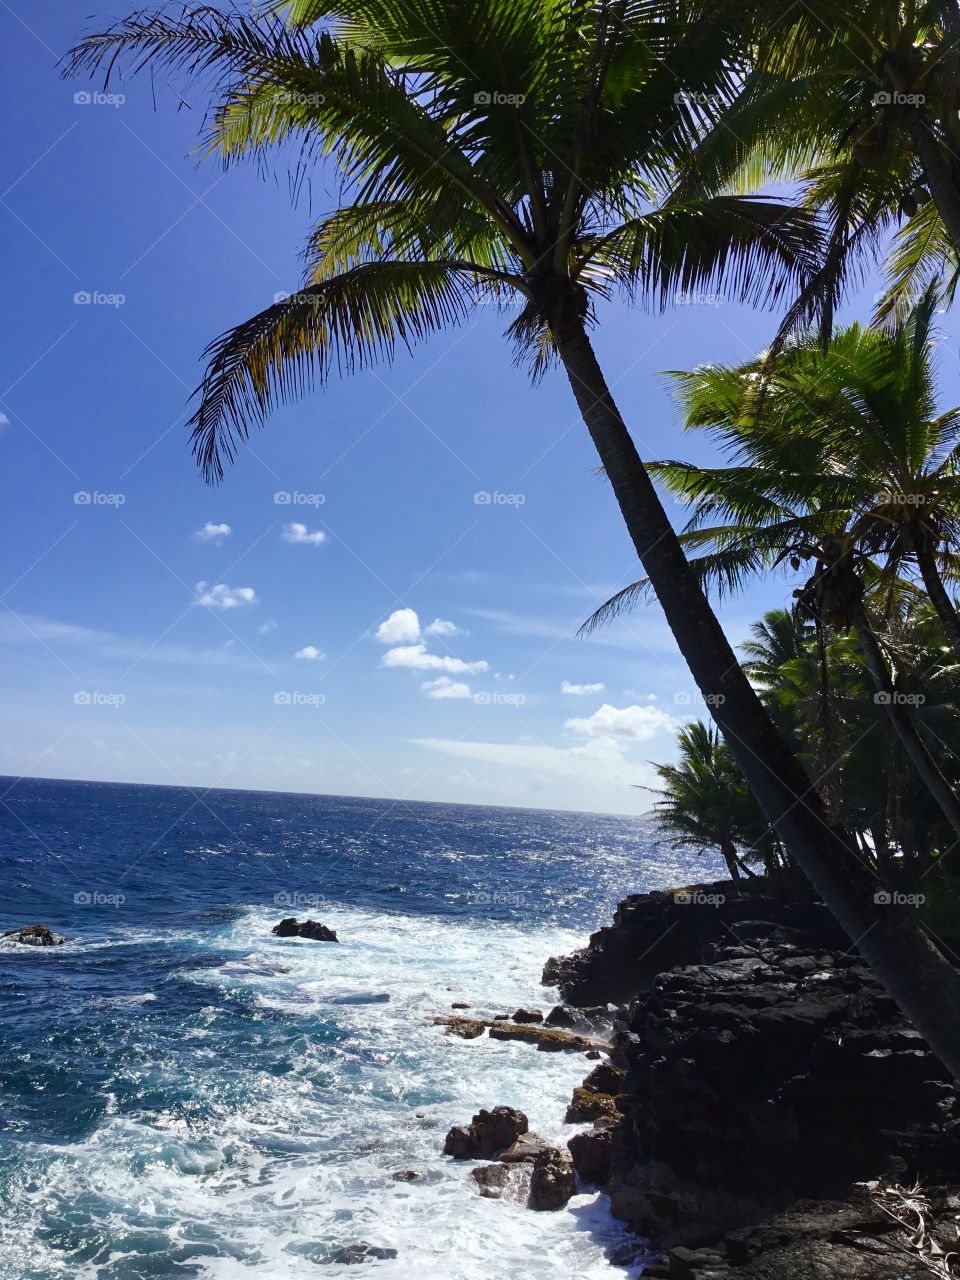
x=839, y=456
x=519, y=148
x=856, y=99
x=704, y=800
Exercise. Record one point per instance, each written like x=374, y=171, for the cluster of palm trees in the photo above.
x=843, y=469
x=559, y=152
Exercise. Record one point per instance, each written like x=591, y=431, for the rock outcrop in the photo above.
x=765, y=1073
x=552, y=1182
x=548, y=1039
x=312, y=929
x=652, y=932
x=852, y=1239
x=35, y=935
x=488, y=1133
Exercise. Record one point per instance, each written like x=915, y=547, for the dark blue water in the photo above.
x=185, y=1095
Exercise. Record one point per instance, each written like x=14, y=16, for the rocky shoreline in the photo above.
x=769, y=1114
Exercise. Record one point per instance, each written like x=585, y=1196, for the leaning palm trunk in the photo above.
x=903, y=724
x=938, y=169
x=939, y=596
x=924, y=984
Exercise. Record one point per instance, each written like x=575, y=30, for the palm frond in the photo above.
x=346, y=323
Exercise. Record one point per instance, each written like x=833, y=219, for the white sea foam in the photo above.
x=302, y=1166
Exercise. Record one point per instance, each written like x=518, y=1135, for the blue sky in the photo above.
x=378, y=632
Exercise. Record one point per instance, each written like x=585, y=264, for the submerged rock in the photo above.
x=35, y=935
x=406, y=1175
x=361, y=1252
x=488, y=1133
x=553, y=1182
x=312, y=929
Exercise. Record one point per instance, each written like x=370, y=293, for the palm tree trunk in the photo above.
x=917, y=975
x=729, y=854
x=939, y=596
x=940, y=174
x=904, y=725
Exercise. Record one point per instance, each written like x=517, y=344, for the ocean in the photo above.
x=182, y=1094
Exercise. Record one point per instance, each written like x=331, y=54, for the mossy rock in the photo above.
x=587, y=1104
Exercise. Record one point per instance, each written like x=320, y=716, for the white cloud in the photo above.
x=580, y=690
x=639, y=723
x=402, y=627
x=310, y=653
x=28, y=629
x=444, y=687
x=265, y=628
x=300, y=534
x=4, y=421
x=441, y=627
x=223, y=597
x=599, y=766
x=213, y=532
x=415, y=658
